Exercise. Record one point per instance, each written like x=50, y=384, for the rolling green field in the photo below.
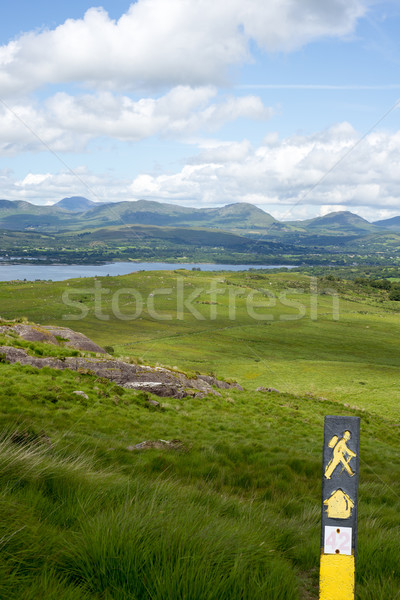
x=236, y=512
x=344, y=348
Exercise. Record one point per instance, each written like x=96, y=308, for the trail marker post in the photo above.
x=339, y=508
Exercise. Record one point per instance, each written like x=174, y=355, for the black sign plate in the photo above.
x=340, y=484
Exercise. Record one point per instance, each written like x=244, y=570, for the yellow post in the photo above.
x=339, y=508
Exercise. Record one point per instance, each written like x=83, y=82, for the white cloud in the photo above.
x=293, y=178
x=48, y=188
x=67, y=123
x=33, y=179
x=159, y=43
x=283, y=176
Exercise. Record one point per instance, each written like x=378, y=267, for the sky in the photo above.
x=290, y=105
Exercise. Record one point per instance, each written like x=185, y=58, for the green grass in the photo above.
x=236, y=515
x=353, y=360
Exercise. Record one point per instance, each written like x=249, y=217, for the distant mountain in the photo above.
x=18, y=215
x=342, y=222
x=77, y=213
x=240, y=216
x=7, y=204
x=393, y=224
x=14, y=206
x=75, y=204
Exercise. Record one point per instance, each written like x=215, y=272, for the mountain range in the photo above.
x=78, y=213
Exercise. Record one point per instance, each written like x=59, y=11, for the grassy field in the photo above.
x=344, y=349
x=236, y=513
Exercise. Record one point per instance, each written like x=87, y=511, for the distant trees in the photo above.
x=393, y=287
x=395, y=294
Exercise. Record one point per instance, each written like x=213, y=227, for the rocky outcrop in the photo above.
x=157, y=380
x=177, y=445
x=52, y=335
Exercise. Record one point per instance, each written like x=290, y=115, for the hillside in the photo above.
x=138, y=242
x=144, y=212
x=342, y=222
x=77, y=212
x=75, y=204
x=393, y=224
x=215, y=497
x=72, y=213
x=76, y=230
x=19, y=215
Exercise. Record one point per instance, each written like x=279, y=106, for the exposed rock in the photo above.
x=49, y=334
x=223, y=385
x=153, y=403
x=214, y=381
x=33, y=333
x=161, y=445
x=159, y=388
x=202, y=386
x=82, y=394
x=159, y=381
x=271, y=389
x=74, y=339
x=261, y=389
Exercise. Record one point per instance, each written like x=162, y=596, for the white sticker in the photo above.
x=337, y=540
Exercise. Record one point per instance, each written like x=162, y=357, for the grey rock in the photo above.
x=153, y=403
x=48, y=333
x=75, y=339
x=82, y=394
x=162, y=445
x=223, y=385
x=157, y=380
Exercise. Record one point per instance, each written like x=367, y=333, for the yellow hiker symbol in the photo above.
x=339, y=505
x=341, y=455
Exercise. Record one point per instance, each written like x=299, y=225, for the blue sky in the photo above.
x=290, y=106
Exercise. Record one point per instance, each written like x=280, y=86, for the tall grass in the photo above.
x=239, y=514
x=71, y=530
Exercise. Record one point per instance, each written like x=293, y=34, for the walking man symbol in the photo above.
x=340, y=452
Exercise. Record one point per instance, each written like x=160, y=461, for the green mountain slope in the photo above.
x=241, y=216
x=393, y=224
x=75, y=204
x=76, y=212
x=19, y=215
x=342, y=222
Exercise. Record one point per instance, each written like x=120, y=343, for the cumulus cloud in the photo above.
x=326, y=169
x=48, y=188
x=293, y=178
x=158, y=43
x=68, y=123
